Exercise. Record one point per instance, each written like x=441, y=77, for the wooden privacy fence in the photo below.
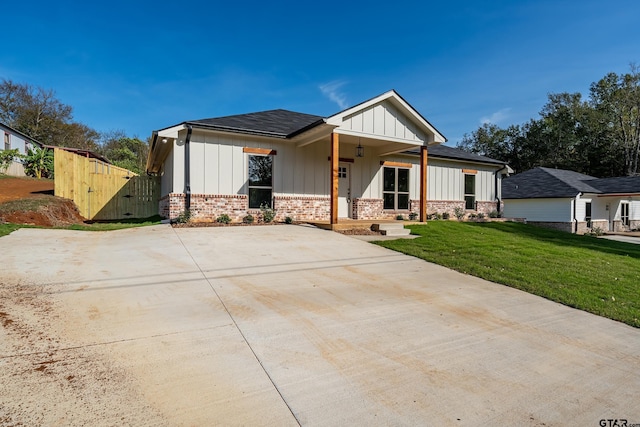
x=103, y=191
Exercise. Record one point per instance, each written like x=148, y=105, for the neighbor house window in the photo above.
x=587, y=213
x=260, y=181
x=7, y=142
x=469, y=191
x=395, y=188
x=624, y=213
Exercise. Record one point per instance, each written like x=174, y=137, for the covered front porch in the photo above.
x=370, y=175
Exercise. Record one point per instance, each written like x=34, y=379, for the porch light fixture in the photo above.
x=359, y=150
x=164, y=140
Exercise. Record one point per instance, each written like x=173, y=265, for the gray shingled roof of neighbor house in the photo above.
x=559, y=183
x=274, y=123
x=623, y=184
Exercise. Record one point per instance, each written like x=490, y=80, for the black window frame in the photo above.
x=254, y=188
x=393, y=197
x=469, y=197
x=588, y=213
x=624, y=216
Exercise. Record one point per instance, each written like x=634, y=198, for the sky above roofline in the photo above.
x=140, y=66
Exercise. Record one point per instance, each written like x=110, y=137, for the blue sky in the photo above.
x=139, y=66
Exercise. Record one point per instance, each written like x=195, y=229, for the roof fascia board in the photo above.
x=618, y=195
x=171, y=132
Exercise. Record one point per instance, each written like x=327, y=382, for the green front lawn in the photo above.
x=596, y=275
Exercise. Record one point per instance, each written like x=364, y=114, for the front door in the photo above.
x=344, y=190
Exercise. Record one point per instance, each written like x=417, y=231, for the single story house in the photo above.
x=571, y=201
x=376, y=160
x=14, y=139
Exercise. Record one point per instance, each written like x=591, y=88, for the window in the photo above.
x=624, y=213
x=587, y=213
x=469, y=191
x=395, y=188
x=342, y=172
x=7, y=142
x=260, y=181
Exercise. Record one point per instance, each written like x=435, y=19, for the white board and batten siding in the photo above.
x=445, y=180
x=544, y=210
x=219, y=166
x=384, y=120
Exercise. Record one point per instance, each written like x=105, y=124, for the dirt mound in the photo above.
x=23, y=188
x=31, y=201
x=55, y=213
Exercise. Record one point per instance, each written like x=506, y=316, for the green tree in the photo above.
x=7, y=157
x=617, y=99
x=39, y=163
x=599, y=137
x=125, y=152
x=38, y=113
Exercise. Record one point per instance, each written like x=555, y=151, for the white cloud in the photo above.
x=332, y=91
x=496, y=117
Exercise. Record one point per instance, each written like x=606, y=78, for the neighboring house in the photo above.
x=376, y=160
x=14, y=139
x=571, y=201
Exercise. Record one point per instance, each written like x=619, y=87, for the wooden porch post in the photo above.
x=423, y=183
x=335, y=156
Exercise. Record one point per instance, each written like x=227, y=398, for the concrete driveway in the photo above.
x=288, y=325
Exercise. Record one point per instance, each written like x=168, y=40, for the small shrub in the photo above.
x=438, y=215
x=595, y=232
x=472, y=216
x=399, y=217
x=494, y=214
x=413, y=216
x=184, y=217
x=288, y=220
x=248, y=219
x=7, y=157
x=459, y=213
x=268, y=213
x=480, y=216
x=446, y=215
x=223, y=219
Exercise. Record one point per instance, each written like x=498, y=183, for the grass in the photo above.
x=595, y=275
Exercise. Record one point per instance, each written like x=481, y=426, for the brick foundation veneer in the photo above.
x=205, y=207
x=302, y=208
x=560, y=226
x=367, y=209
x=208, y=207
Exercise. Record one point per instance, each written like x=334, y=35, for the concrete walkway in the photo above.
x=635, y=239
x=288, y=325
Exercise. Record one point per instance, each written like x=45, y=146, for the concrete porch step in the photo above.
x=391, y=229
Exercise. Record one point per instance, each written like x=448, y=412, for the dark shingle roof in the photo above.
x=623, y=184
x=442, y=151
x=273, y=123
x=548, y=183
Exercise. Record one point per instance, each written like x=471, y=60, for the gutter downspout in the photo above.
x=187, y=171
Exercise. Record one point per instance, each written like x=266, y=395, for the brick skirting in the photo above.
x=302, y=208
x=208, y=207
